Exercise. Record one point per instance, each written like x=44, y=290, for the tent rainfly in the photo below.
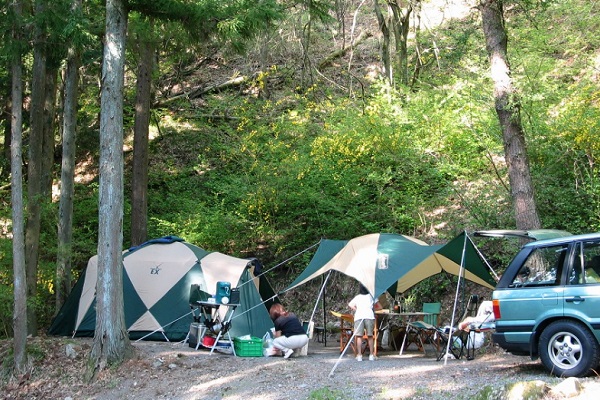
x=392, y=262
x=157, y=278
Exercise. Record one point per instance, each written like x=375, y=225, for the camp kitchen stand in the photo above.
x=210, y=321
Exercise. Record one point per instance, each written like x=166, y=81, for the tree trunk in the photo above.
x=385, y=45
x=139, y=195
x=48, y=130
x=111, y=343
x=67, y=174
x=400, y=26
x=508, y=110
x=18, y=234
x=34, y=170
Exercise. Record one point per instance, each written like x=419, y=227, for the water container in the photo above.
x=223, y=293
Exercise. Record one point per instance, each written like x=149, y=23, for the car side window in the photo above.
x=542, y=267
x=591, y=256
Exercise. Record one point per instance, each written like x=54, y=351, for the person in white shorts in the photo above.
x=364, y=321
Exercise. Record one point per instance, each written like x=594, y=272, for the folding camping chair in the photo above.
x=424, y=330
x=457, y=347
x=462, y=341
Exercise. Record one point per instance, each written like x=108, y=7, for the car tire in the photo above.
x=568, y=348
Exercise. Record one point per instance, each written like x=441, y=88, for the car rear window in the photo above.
x=541, y=268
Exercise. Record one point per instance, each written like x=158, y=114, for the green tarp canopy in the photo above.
x=390, y=262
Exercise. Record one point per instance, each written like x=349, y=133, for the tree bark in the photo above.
x=139, y=195
x=508, y=108
x=18, y=234
x=111, y=343
x=385, y=46
x=67, y=173
x=50, y=89
x=34, y=167
x=400, y=25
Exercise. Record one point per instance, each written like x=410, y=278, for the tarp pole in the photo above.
x=324, y=315
x=484, y=259
x=344, y=352
x=460, y=273
x=319, y=297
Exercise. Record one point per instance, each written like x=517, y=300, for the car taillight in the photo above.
x=496, y=305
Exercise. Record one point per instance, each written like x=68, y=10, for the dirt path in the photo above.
x=175, y=371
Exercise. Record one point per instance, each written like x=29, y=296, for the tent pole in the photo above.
x=460, y=273
x=344, y=352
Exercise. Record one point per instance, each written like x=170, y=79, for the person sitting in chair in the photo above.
x=289, y=333
x=592, y=270
x=485, y=313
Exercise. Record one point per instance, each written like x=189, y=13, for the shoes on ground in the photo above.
x=288, y=353
x=359, y=358
x=372, y=357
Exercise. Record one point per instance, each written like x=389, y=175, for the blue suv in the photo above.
x=547, y=304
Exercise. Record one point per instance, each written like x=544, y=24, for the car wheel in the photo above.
x=568, y=348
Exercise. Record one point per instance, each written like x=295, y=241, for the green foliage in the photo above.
x=327, y=393
x=6, y=306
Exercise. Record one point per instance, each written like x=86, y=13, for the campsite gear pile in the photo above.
x=158, y=275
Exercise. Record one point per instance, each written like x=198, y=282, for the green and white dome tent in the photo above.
x=157, y=280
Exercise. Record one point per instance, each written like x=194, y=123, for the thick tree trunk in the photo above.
x=139, y=196
x=67, y=174
x=18, y=234
x=34, y=170
x=508, y=110
x=111, y=342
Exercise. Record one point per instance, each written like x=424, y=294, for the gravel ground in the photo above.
x=177, y=372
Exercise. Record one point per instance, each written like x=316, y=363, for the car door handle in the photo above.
x=576, y=299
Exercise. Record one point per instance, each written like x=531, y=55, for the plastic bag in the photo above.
x=476, y=340
x=268, y=348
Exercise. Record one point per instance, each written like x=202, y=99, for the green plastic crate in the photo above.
x=252, y=347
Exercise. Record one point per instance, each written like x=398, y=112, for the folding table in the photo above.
x=212, y=321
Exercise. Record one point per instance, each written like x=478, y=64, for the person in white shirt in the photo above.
x=364, y=321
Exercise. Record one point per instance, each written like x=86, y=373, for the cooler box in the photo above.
x=194, y=333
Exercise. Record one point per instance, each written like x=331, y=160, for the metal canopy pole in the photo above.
x=324, y=313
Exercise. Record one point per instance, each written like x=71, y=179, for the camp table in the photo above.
x=213, y=322
x=347, y=331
